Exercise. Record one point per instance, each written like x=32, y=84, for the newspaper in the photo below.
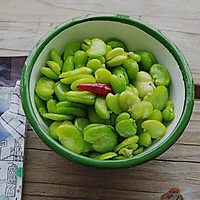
x=11, y=150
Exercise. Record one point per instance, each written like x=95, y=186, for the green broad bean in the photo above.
x=126, y=128
x=102, y=138
x=56, y=57
x=131, y=103
x=53, y=129
x=51, y=105
x=58, y=117
x=71, y=79
x=158, y=97
x=160, y=75
x=94, y=64
x=106, y=156
x=127, y=141
x=144, y=83
x=97, y=48
x=40, y=104
x=118, y=83
x=138, y=151
x=112, y=101
x=71, y=111
x=168, y=111
x=44, y=88
x=54, y=66
x=101, y=108
x=155, y=128
x=68, y=104
x=116, y=61
x=148, y=109
x=68, y=64
x=71, y=138
x=102, y=75
x=48, y=72
x=114, y=52
x=80, y=59
x=81, y=122
x=134, y=56
x=147, y=59
x=60, y=91
x=94, y=118
x=156, y=115
x=71, y=48
x=80, y=81
x=120, y=71
x=78, y=71
x=122, y=116
x=115, y=43
x=144, y=139
x=131, y=67
x=84, y=97
x=125, y=152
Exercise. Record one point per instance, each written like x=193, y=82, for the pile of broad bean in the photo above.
x=104, y=101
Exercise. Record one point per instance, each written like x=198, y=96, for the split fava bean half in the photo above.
x=144, y=83
x=101, y=108
x=56, y=57
x=83, y=97
x=40, y=105
x=71, y=137
x=131, y=103
x=48, y=72
x=126, y=128
x=102, y=138
x=45, y=88
x=60, y=90
x=168, y=111
x=102, y=75
x=80, y=59
x=112, y=102
x=54, y=66
x=155, y=128
x=147, y=59
x=68, y=64
x=158, y=97
x=160, y=75
x=97, y=48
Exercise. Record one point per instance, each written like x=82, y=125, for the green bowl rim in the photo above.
x=141, y=158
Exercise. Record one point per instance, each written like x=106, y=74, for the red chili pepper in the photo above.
x=98, y=88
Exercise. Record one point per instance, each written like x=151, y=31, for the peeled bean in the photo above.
x=155, y=128
x=71, y=137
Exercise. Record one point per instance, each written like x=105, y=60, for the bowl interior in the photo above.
x=135, y=39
